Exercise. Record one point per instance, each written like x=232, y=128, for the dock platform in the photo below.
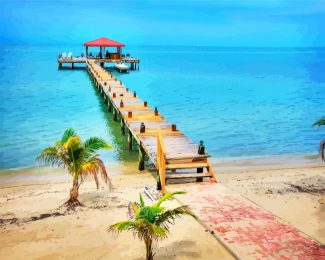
x=174, y=155
x=133, y=62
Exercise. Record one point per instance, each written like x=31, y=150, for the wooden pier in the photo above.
x=174, y=155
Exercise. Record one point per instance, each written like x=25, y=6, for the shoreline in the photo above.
x=221, y=164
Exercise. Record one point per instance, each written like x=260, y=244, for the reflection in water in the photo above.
x=118, y=140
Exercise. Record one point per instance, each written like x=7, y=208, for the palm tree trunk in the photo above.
x=74, y=192
x=149, y=254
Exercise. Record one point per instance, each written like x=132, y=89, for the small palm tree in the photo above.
x=321, y=122
x=151, y=223
x=79, y=158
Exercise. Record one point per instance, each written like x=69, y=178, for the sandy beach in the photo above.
x=82, y=233
x=33, y=224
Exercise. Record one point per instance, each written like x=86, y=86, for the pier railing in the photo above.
x=161, y=159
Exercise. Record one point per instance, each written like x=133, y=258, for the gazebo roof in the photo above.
x=103, y=42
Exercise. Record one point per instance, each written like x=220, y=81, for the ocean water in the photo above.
x=240, y=101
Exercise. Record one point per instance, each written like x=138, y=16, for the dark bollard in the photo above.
x=142, y=128
x=173, y=127
x=114, y=95
x=120, y=83
x=201, y=150
x=145, y=103
x=156, y=111
x=135, y=94
x=121, y=104
x=130, y=114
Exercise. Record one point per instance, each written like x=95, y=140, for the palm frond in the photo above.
x=159, y=232
x=103, y=173
x=90, y=168
x=322, y=150
x=123, y=226
x=149, y=213
x=320, y=122
x=169, y=216
x=50, y=156
x=141, y=201
x=73, y=143
x=168, y=196
x=67, y=134
x=93, y=144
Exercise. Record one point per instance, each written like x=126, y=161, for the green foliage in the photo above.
x=78, y=157
x=151, y=222
x=320, y=122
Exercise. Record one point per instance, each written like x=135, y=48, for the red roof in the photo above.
x=104, y=42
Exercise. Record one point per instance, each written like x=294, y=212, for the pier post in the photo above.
x=59, y=65
x=141, y=158
x=72, y=65
x=109, y=106
x=122, y=127
x=114, y=114
x=201, y=150
x=130, y=140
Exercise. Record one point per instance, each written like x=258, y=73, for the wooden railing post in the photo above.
x=161, y=160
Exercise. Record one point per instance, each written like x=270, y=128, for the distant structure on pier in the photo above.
x=104, y=55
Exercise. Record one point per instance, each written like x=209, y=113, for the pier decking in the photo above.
x=173, y=154
x=134, y=62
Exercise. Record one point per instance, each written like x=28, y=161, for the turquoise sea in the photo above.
x=241, y=101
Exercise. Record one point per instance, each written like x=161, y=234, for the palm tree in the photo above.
x=321, y=122
x=79, y=158
x=151, y=223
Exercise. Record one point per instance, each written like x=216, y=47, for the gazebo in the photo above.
x=103, y=43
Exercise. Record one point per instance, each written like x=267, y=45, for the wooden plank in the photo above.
x=187, y=175
x=185, y=166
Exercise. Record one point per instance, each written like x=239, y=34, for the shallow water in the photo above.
x=241, y=102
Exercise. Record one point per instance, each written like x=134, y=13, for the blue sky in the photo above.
x=254, y=23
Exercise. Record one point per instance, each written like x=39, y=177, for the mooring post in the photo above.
x=130, y=140
x=141, y=158
x=142, y=128
x=201, y=150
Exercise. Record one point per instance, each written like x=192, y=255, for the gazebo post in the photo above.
x=86, y=52
x=119, y=52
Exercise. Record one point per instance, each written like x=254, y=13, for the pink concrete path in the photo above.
x=246, y=229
